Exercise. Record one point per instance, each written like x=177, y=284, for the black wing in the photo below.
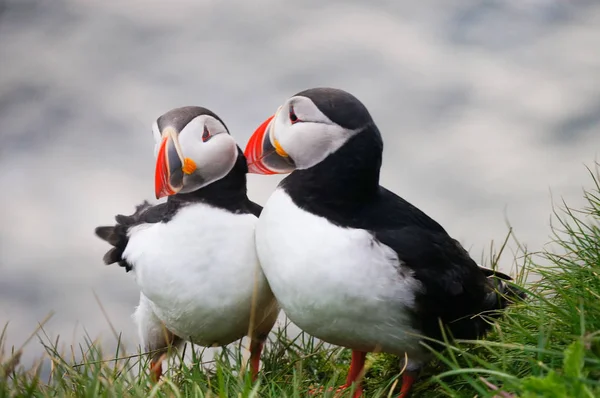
x=396, y=213
x=455, y=288
x=117, y=235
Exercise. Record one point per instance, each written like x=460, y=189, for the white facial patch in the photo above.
x=213, y=158
x=313, y=137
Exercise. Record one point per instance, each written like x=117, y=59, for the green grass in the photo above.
x=547, y=346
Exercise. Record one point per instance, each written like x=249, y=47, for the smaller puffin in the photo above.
x=193, y=257
x=349, y=261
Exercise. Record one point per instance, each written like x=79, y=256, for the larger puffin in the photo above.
x=350, y=262
x=194, y=257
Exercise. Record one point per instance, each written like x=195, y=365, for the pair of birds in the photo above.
x=349, y=262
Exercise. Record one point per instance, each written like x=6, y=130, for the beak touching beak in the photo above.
x=168, y=178
x=264, y=154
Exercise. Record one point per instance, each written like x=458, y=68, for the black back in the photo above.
x=344, y=188
x=228, y=193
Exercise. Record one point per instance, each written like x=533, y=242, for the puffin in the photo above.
x=349, y=261
x=194, y=257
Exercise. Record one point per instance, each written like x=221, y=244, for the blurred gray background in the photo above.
x=485, y=107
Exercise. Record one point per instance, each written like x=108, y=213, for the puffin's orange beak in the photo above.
x=264, y=154
x=168, y=178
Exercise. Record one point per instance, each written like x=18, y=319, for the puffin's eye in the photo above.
x=205, y=134
x=293, y=117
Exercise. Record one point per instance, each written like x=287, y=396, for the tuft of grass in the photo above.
x=546, y=346
x=291, y=367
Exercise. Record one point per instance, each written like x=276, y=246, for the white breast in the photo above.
x=198, y=270
x=338, y=284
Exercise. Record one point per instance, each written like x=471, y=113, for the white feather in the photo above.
x=198, y=272
x=338, y=284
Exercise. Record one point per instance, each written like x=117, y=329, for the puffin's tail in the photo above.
x=508, y=292
x=500, y=295
x=117, y=236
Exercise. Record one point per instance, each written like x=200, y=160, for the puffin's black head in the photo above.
x=193, y=149
x=306, y=129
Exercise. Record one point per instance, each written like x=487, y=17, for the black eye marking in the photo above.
x=293, y=117
x=205, y=134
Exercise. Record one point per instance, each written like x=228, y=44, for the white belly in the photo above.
x=338, y=284
x=198, y=270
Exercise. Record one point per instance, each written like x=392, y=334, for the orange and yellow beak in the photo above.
x=264, y=154
x=170, y=166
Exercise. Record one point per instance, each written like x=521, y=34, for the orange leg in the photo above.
x=408, y=379
x=255, y=351
x=156, y=370
x=356, y=366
